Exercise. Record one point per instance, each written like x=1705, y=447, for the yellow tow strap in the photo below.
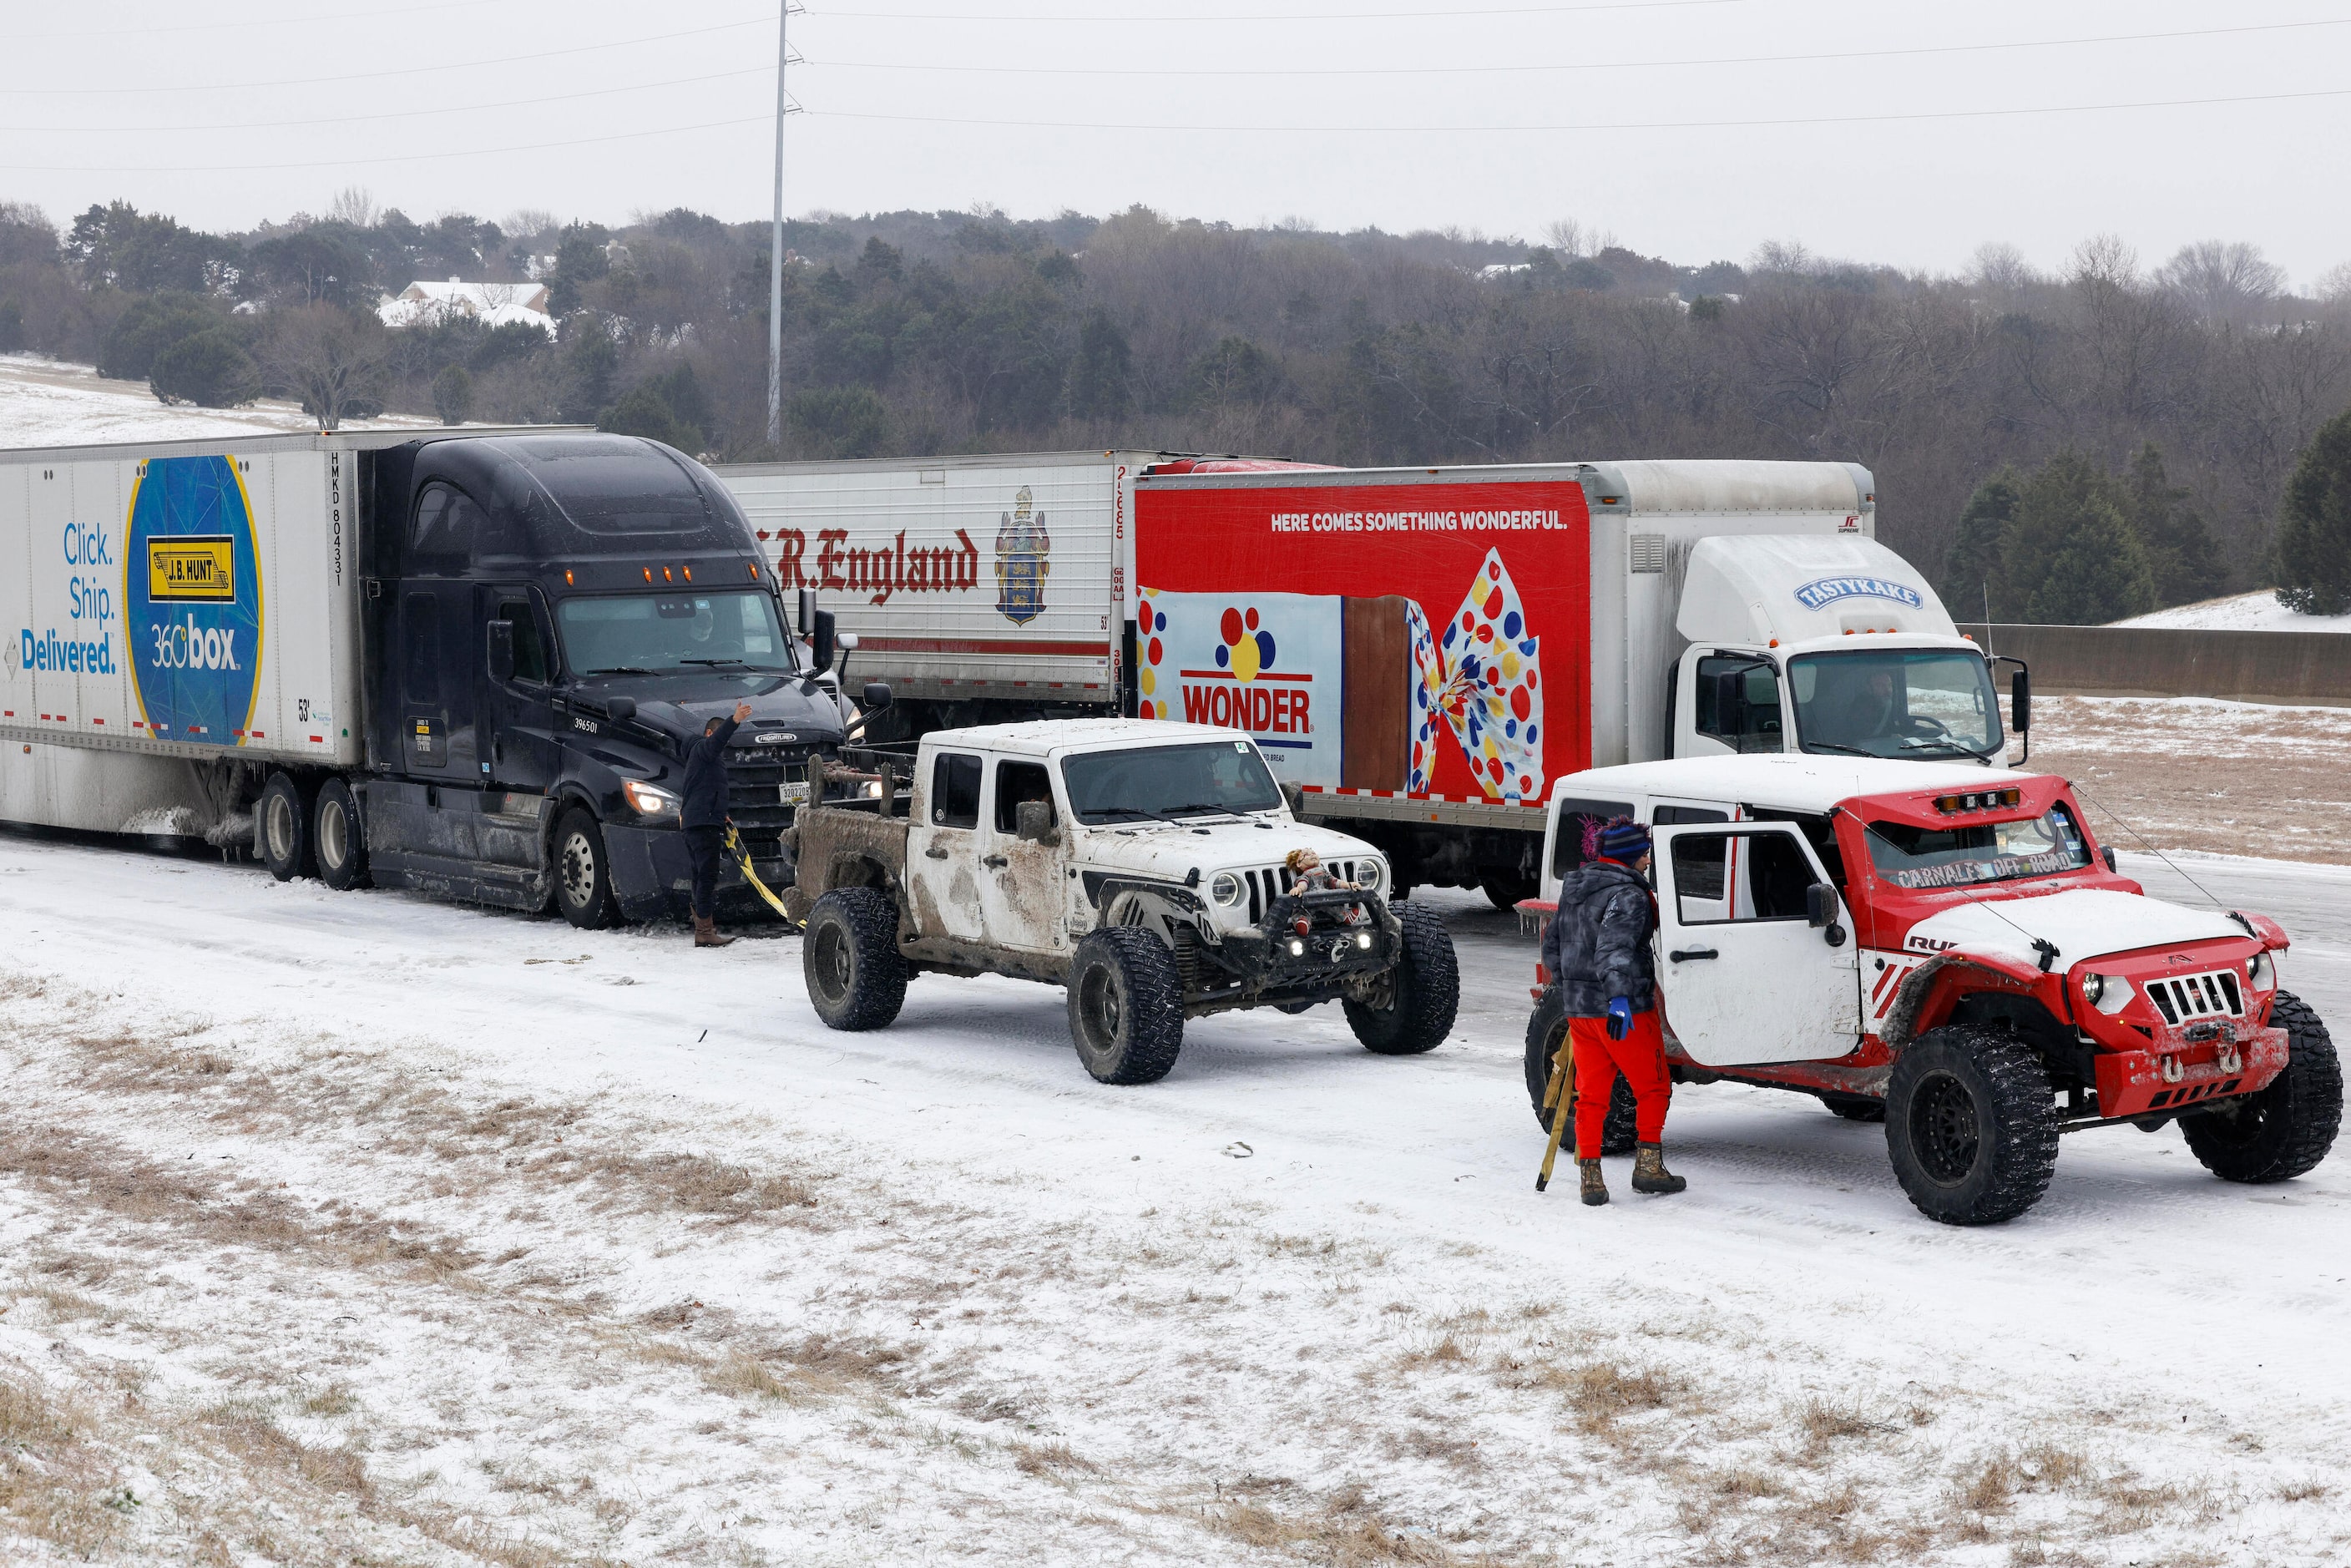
x=743, y=858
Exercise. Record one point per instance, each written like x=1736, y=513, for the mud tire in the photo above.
x=848, y=957
x=583, y=873
x=1970, y=1126
x=1619, y=1134
x=282, y=828
x=1854, y=1107
x=1425, y=990
x=339, y=838
x=1126, y=1006
x=2286, y=1129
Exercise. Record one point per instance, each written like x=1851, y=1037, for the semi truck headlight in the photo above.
x=2109, y=994
x=1226, y=889
x=2260, y=972
x=649, y=800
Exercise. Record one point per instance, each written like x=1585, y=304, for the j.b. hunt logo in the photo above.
x=1813, y=595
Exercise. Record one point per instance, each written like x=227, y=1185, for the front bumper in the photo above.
x=1330, y=956
x=652, y=875
x=2172, y=1077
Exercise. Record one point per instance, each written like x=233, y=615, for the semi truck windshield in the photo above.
x=1895, y=702
x=1169, y=781
x=654, y=633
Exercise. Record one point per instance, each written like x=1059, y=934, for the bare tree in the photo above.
x=2222, y=280
x=2334, y=285
x=354, y=204
x=327, y=358
x=2001, y=270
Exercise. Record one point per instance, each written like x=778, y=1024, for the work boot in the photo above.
x=1649, y=1172
x=706, y=933
x=1596, y=1191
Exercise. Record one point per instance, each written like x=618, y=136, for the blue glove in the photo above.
x=1620, y=1018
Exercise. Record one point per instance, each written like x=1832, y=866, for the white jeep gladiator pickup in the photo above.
x=1140, y=864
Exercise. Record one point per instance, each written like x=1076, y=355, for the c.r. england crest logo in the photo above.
x=1022, y=567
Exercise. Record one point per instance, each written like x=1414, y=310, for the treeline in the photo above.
x=2170, y=404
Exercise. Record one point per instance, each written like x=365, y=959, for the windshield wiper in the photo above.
x=710, y=661
x=1129, y=810
x=622, y=669
x=1199, y=806
x=1848, y=750
x=1951, y=747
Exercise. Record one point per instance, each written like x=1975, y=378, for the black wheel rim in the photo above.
x=832, y=962
x=578, y=871
x=1943, y=1129
x=1101, y=1007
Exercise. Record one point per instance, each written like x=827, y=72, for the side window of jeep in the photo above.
x=955, y=791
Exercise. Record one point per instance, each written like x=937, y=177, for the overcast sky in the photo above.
x=1650, y=119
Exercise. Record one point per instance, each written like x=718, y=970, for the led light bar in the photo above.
x=1978, y=801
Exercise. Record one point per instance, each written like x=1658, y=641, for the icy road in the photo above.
x=334, y=1224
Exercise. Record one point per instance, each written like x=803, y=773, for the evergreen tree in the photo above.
x=1971, y=575
x=453, y=394
x=2313, y=535
x=591, y=357
x=2069, y=554
x=2185, y=562
x=1100, y=385
x=210, y=369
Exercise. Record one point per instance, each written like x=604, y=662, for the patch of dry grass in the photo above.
x=55, y=1486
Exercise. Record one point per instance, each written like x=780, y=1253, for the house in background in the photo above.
x=421, y=304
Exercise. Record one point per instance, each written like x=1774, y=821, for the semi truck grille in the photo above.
x=757, y=789
x=2182, y=998
x=1267, y=884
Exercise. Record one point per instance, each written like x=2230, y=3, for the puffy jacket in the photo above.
x=705, y=805
x=1597, y=946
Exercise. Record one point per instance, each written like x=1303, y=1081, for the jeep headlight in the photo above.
x=2110, y=994
x=2261, y=971
x=1367, y=876
x=649, y=800
x=1226, y=889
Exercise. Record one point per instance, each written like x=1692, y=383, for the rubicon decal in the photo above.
x=1827, y=589
x=192, y=596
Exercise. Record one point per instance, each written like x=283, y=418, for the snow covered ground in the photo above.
x=2258, y=611
x=47, y=403
x=353, y=1228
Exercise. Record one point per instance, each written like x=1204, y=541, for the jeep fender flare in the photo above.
x=1930, y=991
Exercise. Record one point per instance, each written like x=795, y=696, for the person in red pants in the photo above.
x=1597, y=948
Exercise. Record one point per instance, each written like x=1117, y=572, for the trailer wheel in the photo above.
x=1126, y=1006
x=1425, y=990
x=283, y=814
x=2286, y=1129
x=848, y=957
x=1970, y=1126
x=1854, y=1107
x=1507, y=890
x=1545, y=1029
x=583, y=873
x=338, y=838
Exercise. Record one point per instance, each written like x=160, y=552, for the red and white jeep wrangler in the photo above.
x=1949, y=948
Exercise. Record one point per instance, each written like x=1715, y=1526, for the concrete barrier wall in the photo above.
x=2152, y=660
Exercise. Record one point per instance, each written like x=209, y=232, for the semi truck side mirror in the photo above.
x=808, y=612
x=1035, y=818
x=500, y=652
x=2106, y=853
x=877, y=696
x=2019, y=701
x=820, y=640
x=620, y=710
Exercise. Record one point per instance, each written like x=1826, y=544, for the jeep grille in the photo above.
x=2184, y=998
x=1266, y=884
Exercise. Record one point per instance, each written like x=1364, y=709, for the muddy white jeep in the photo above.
x=1947, y=950
x=1140, y=864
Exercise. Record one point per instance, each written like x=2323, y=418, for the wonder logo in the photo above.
x=193, y=599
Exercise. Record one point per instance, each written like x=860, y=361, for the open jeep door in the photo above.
x=1755, y=964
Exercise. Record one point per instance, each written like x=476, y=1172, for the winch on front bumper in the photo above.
x=1305, y=949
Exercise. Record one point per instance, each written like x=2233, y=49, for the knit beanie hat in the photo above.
x=1623, y=839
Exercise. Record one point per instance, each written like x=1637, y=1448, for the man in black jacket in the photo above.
x=1598, y=951
x=702, y=816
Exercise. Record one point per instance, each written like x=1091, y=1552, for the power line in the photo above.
x=1568, y=65
x=394, y=158
x=1190, y=18
x=380, y=75
x=255, y=22
x=390, y=114
x=1600, y=126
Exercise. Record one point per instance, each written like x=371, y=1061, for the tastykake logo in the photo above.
x=193, y=599
x=1813, y=595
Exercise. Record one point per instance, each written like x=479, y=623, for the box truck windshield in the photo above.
x=1895, y=702
x=654, y=633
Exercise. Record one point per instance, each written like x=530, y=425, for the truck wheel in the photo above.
x=1425, y=991
x=1854, y=1107
x=849, y=955
x=1506, y=889
x=1970, y=1126
x=1126, y=1006
x=583, y=873
x=2287, y=1128
x=284, y=814
x=1545, y=1029
x=337, y=838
